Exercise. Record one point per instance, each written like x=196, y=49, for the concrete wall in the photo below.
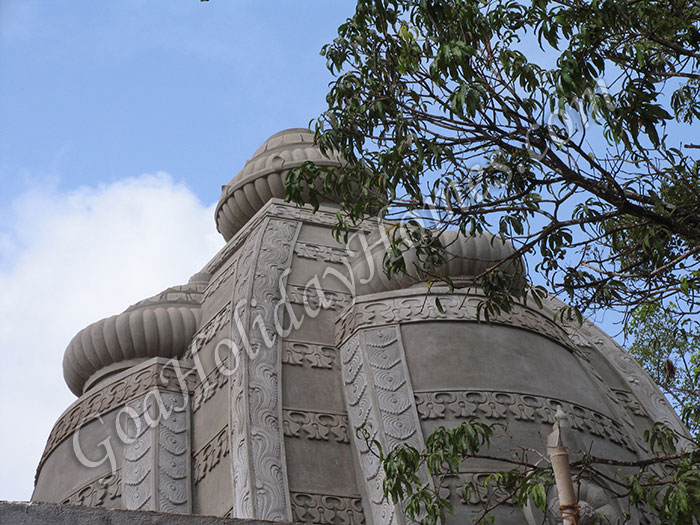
x=14, y=513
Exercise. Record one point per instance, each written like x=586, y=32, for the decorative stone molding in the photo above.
x=393, y=392
x=234, y=244
x=406, y=306
x=208, y=332
x=519, y=407
x=95, y=493
x=156, y=469
x=318, y=299
x=158, y=373
x=379, y=396
x=321, y=426
x=326, y=509
x=296, y=353
x=277, y=208
x=362, y=412
x=239, y=426
x=205, y=459
x=320, y=252
x=629, y=402
x=221, y=279
x=480, y=491
x=259, y=466
x=322, y=216
x=206, y=388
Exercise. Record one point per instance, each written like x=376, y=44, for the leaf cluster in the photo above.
x=560, y=125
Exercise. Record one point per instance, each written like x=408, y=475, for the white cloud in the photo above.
x=68, y=259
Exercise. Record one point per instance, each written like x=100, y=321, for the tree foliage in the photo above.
x=665, y=485
x=570, y=129
x=670, y=353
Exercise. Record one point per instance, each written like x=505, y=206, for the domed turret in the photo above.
x=466, y=258
x=262, y=177
x=160, y=326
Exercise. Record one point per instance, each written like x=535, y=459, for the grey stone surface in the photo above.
x=22, y=513
x=287, y=341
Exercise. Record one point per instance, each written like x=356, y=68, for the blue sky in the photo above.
x=96, y=91
x=120, y=121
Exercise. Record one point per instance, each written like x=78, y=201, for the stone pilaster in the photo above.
x=156, y=471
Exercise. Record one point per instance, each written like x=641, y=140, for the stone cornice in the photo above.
x=516, y=406
x=416, y=305
x=277, y=208
x=313, y=425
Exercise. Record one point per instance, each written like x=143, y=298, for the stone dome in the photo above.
x=160, y=326
x=262, y=177
x=466, y=258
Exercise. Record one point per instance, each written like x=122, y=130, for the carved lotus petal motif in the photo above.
x=174, y=468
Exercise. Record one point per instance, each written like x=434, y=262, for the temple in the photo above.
x=239, y=393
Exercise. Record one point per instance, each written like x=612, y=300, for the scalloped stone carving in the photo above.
x=380, y=397
x=262, y=177
x=156, y=468
x=160, y=326
x=257, y=447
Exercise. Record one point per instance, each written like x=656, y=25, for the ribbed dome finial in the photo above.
x=262, y=177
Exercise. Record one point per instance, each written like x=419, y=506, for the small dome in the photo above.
x=466, y=258
x=160, y=326
x=262, y=177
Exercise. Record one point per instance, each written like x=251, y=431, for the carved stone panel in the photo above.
x=400, y=307
x=310, y=355
x=156, y=468
x=320, y=252
x=316, y=425
x=315, y=298
x=379, y=398
x=519, y=407
x=257, y=447
x=105, y=491
x=326, y=509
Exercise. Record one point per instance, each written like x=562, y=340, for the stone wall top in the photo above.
x=20, y=513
